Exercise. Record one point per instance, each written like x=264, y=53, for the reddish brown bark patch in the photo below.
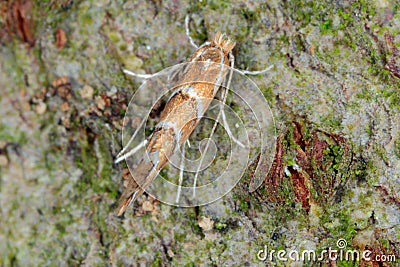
x=300, y=183
x=274, y=178
x=393, y=61
x=61, y=38
x=313, y=160
x=19, y=20
x=298, y=135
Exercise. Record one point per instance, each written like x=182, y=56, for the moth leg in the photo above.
x=232, y=59
x=131, y=139
x=224, y=96
x=147, y=76
x=120, y=155
x=143, y=76
x=221, y=113
x=226, y=125
x=130, y=152
x=181, y=169
x=187, y=30
x=203, y=155
x=256, y=72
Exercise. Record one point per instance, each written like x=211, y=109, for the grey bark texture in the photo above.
x=334, y=91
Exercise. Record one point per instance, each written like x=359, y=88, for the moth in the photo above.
x=181, y=115
x=188, y=103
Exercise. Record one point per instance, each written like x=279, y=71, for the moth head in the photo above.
x=222, y=41
x=218, y=50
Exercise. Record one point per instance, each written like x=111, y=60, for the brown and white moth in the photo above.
x=181, y=114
